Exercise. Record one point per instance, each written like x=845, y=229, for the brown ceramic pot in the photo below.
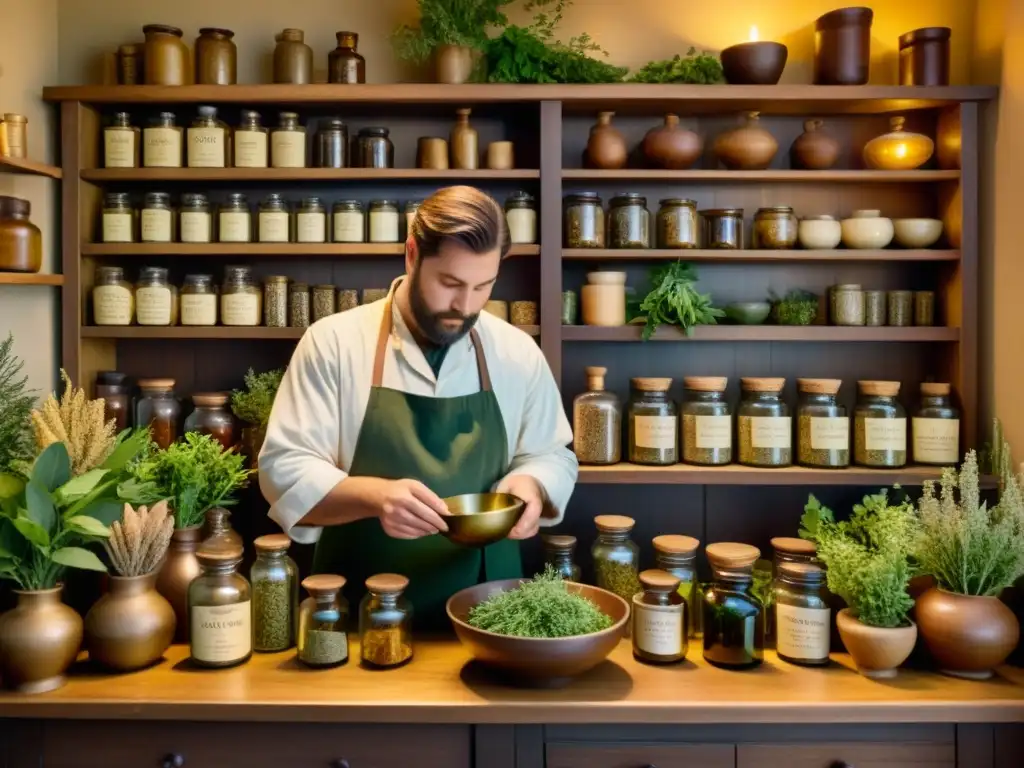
x=966, y=635
x=814, y=149
x=747, y=148
x=606, y=147
x=131, y=626
x=453, y=64
x=293, y=59
x=432, y=152
x=877, y=651
x=179, y=569
x=39, y=638
x=669, y=146
x=464, y=142
x=166, y=58
x=21, y=241
x=216, y=57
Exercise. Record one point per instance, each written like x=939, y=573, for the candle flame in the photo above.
x=753, y=34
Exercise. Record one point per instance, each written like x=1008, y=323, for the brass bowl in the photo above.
x=535, y=660
x=479, y=519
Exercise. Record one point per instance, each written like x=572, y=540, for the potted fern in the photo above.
x=973, y=552
x=252, y=405
x=867, y=566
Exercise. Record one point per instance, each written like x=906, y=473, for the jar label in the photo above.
x=250, y=149
x=273, y=226
x=240, y=309
x=830, y=433
x=658, y=629
x=802, y=633
x=112, y=305
x=155, y=225
x=119, y=148
x=936, y=441
x=206, y=147
x=348, y=227
x=771, y=432
x=885, y=434
x=235, y=227
x=522, y=225
x=199, y=309
x=161, y=147
x=153, y=305
x=288, y=149
x=384, y=227
x=195, y=227
x=311, y=227
x=117, y=228
x=655, y=432
x=714, y=432
x=221, y=633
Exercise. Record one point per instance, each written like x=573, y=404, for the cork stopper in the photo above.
x=806, y=572
x=819, y=386
x=935, y=389
x=323, y=584
x=275, y=542
x=559, y=541
x=793, y=546
x=614, y=523
x=676, y=545
x=219, y=555
x=727, y=555
x=387, y=583
x=754, y=384
x=651, y=384
x=211, y=399
x=659, y=581
x=595, y=377
x=157, y=384
x=706, y=383
x=879, y=388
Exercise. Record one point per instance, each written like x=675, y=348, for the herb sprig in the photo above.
x=254, y=403
x=695, y=68
x=797, y=307
x=674, y=300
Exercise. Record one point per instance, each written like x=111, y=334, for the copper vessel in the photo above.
x=177, y=572
x=814, y=149
x=967, y=635
x=672, y=147
x=130, y=626
x=479, y=519
x=39, y=639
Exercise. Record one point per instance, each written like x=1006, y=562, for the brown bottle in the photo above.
x=21, y=242
x=179, y=569
x=344, y=65
x=216, y=57
x=463, y=143
x=293, y=59
x=814, y=149
x=606, y=147
x=167, y=56
x=669, y=146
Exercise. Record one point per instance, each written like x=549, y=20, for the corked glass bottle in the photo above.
x=733, y=618
x=677, y=555
x=558, y=553
x=275, y=594
x=616, y=556
x=597, y=422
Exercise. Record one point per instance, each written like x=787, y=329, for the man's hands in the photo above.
x=409, y=510
x=529, y=490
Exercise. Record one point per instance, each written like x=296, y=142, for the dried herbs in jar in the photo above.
x=823, y=428
x=274, y=578
x=763, y=424
x=653, y=425
x=879, y=426
x=597, y=422
x=706, y=420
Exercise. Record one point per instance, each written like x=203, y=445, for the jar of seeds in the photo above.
x=653, y=425
x=823, y=428
x=198, y=300
x=706, y=421
x=385, y=621
x=763, y=425
x=677, y=223
x=275, y=594
x=924, y=308
x=558, y=553
x=195, y=222
x=629, y=221
x=880, y=425
x=597, y=422
x=584, y=221
x=775, y=228
x=298, y=305
x=901, y=304
x=323, y=302
x=348, y=298
x=615, y=556
x=323, y=616
x=274, y=220
x=523, y=313
x=677, y=555
x=936, y=427
x=275, y=301
x=848, y=306
x=311, y=222
x=874, y=308
x=723, y=228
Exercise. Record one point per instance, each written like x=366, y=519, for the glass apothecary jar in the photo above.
x=803, y=616
x=384, y=222
x=331, y=144
x=234, y=220
x=629, y=221
x=521, y=215
x=349, y=222
x=763, y=425
x=158, y=409
x=198, y=302
x=374, y=148
x=597, y=422
x=822, y=426
x=323, y=620
x=250, y=141
x=848, y=305
x=275, y=594
x=298, y=305
x=288, y=142
x=659, y=619
x=324, y=302
x=162, y=142
x=775, y=228
x=558, y=553
x=344, y=65
x=385, y=622
x=733, y=618
x=274, y=220
x=677, y=555
x=677, y=223
x=275, y=301
x=584, y=221
x=653, y=423
x=311, y=221
x=113, y=298
x=706, y=421
x=195, y=222
x=220, y=610
x=111, y=386
x=121, y=143
x=722, y=228
x=616, y=556
x=936, y=427
x=785, y=549
x=241, y=300
x=118, y=218
x=211, y=417
x=879, y=426
x=156, y=300
x=156, y=219
x=207, y=140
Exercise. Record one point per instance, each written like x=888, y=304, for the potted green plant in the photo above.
x=867, y=566
x=252, y=405
x=973, y=552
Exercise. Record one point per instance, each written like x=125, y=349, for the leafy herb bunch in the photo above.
x=696, y=69
x=16, y=401
x=674, y=300
x=449, y=22
x=254, y=403
x=798, y=307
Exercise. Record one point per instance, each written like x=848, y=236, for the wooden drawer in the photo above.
x=640, y=755
x=863, y=754
x=150, y=744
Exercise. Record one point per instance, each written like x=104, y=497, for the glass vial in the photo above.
x=121, y=143
x=156, y=300
x=275, y=594
x=113, y=298
x=156, y=219
x=118, y=220
x=653, y=425
x=288, y=142
x=220, y=610
x=349, y=223
x=936, y=427
x=195, y=222
x=311, y=221
x=250, y=141
x=385, y=622
x=763, y=424
x=822, y=426
x=677, y=555
x=323, y=617
x=706, y=421
x=207, y=142
x=803, y=618
x=162, y=142
x=879, y=426
x=234, y=221
x=597, y=422
x=659, y=619
x=558, y=553
x=274, y=220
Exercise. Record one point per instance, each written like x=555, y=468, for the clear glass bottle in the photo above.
x=156, y=300
x=298, y=305
x=212, y=417
x=113, y=298
x=584, y=221
x=156, y=219
x=275, y=301
x=733, y=618
x=383, y=222
x=234, y=220
x=385, y=622
x=220, y=610
x=275, y=594
x=198, y=302
x=288, y=142
x=936, y=427
x=241, y=300
x=615, y=556
x=763, y=425
x=659, y=619
x=879, y=426
x=323, y=619
x=118, y=218
x=311, y=221
x=629, y=221
x=677, y=555
x=597, y=422
x=822, y=426
x=274, y=221
x=195, y=222
x=653, y=424
x=677, y=223
x=706, y=421
x=349, y=222
x=558, y=553
x=121, y=143
x=375, y=149
x=521, y=215
x=162, y=142
x=207, y=140
x=251, y=141
x=803, y=617
x=158, y=409
x=722, y=228
x=324, y=302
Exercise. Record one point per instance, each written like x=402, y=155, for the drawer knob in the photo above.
x=174, y=760
x=339, y=764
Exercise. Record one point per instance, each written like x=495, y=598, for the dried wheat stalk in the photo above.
x=139, y=541
x=77, y=422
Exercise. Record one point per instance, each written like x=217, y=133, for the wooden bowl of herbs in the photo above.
x=538, y=631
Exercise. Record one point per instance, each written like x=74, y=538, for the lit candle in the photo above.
x=755, y=62
x=753, y=34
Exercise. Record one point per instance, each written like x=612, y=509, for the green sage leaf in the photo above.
x=77, y=557
x=89, y=526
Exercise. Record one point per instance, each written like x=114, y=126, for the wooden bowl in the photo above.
x=537, y=660
x=757, y=63
x=479, y=519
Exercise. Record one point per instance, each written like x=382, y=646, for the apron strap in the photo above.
x=386, y=324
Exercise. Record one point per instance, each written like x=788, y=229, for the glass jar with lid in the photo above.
x=785, y=549
x=198, y=302
x=161, y=142
x=597, y=422
x=121, y=143
x=311, y=221
x=113, y=298
x=558, y=553
x=211, y=417
x=936, y=427
x=616, y=556
x=584, y=221
x=241, y=300
x=706, y=421
x=763, y=425
x=677, y=555
x=822, y=426
x=331, y=144
x=722, y=228
x=775, y=228
x=653, y=424
x=298, y=305
x=349, y=222
x=156, y=219
x=383, y=222
x=118, y=218
x=521, y=215
x=275, y=301
x=288, y=142
x=385, y=621
x=275, y=594
x=234, y=220
x=274, y=221
x=250, y=141
x=207, y=140
x=879, y=426
x=111, y=386
x=324, y=302
x=156, y=300
x=195, y=222
x=323, y=619
x=659, y=619
x=629, y=221
x=677, y=223
x=803, y=616
x=412, y=207
x=158, y=409
x=848, y=305
x=375, y=149
x=733, y=618
x=220, y=610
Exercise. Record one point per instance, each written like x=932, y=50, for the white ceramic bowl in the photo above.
x=917, y=233
x=606, y=278
x=819, y=233
x=867, y=229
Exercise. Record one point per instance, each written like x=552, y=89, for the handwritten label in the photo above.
x=885, y=434
x=657, y=629
x=771, y=431
x=936, y=441
x=830, y=433
x=713, y=432
x=155, y=225
x=657, y=432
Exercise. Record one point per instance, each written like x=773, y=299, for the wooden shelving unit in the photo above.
x=242, y=175
x=734, y=474
x=18, y=278
x=28, y=167
x=214, y=250
x=838, y=256
x=810, y=333
x=765, y=177
x=211, y=332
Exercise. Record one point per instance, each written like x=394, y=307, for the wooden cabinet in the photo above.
x=639, y=755
x=847, y=755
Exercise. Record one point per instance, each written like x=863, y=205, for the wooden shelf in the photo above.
x=818, y=333
x=209, y=332
x=838, y=255
x=263, y=249
x=29, y=167
x=22, y=278
x=771, y=175
x=301, y=174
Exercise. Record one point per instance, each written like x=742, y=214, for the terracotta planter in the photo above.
x=747, y=148
x=131, y=626
x=606, y=147
x=967, y=636
x=453, y=64
x=877, y=651
x=814, y=149
x=39, y=639
x=179, y=569
x=669, y=146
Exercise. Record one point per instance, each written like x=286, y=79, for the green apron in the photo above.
x=453, y=445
